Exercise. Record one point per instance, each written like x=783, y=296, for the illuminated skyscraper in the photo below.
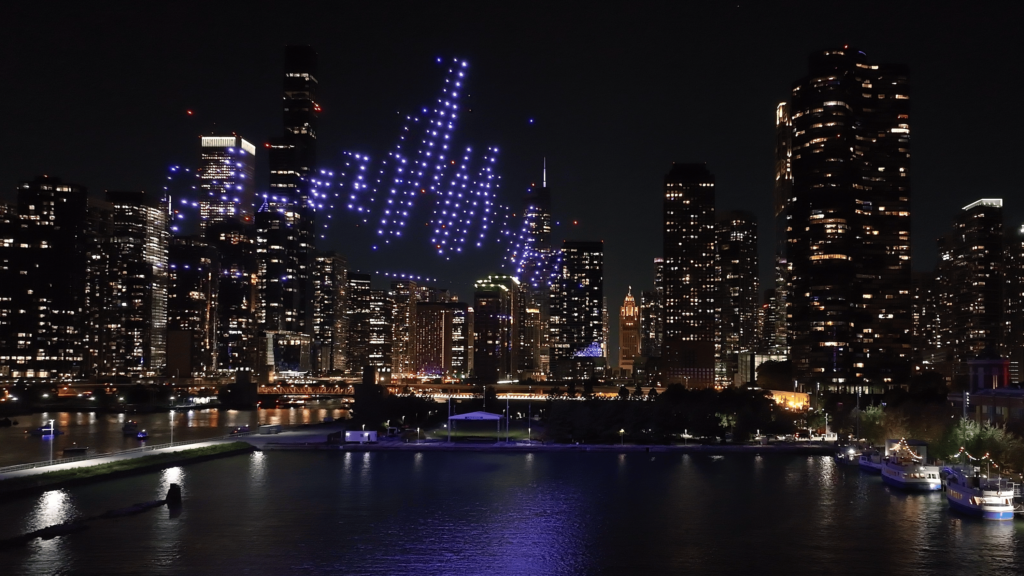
x=1013, y=296
x=537, y=272
x=497, y=308
x=629, y=332
x=131, y=321
x=226, y=168
x=577, y=305
x=44, y=246
x=382, y=310
x=848, y=242
x=688, y=350
x=971, y=279
x=235, y=244
x=783, y=198
x=330, y=323
x=357, y=352
x=738, y=287
x=285, y=239
x=652, y=314
x=444, y=339
x=405, y=294
x=193, y=277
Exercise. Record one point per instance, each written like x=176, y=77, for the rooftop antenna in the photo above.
x=544, y=180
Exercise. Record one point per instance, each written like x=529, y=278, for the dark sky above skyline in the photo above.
x=98, y=97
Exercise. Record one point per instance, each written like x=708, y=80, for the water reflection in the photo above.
x=101, y=433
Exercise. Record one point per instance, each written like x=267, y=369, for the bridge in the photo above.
x=345, y=390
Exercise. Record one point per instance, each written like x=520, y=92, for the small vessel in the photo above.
x=45, y=431
x=871, y=461
x=142, y=435
x=241, y=429
x=130, y=428
x=847, y=455
x=969, y=492
x=75, y=450
x=905, y=468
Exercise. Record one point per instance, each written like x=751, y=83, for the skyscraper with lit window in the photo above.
x=629, y=332
x=405, y=294
x=783, y=197
x=497, y=308
x=738, y=287
x=1013, y=297
x=971, y=280
x=193, y=277
x=690, y=287
x=330, y=323
x=130, y=323
x=848, y=222
x=358, y=312
x=237, y=323
x=285, y=238
x=44, y=244
x=227, y=189
x=577, y=305
x=537, y=271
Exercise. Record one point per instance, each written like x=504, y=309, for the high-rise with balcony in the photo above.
x=689, y=286
x=848, y=222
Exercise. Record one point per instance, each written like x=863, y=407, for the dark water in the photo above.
x=102, y=432
x=483, y=513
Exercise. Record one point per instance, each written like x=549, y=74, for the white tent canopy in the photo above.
x=476, y=416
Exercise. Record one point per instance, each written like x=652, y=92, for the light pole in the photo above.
x=621, y=438
x=172, y=421
x=51, y=441
x=417, y=435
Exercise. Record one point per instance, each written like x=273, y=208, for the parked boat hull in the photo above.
x=979, y=512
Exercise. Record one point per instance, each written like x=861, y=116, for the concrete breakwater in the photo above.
x=172, y=501
x=40, y=479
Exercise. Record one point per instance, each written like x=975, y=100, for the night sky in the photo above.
x=99, y=97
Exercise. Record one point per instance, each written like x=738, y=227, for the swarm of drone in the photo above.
x=425, y=178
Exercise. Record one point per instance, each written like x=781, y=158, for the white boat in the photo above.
x=969, y=492
x=905, y=469
x=871, y=461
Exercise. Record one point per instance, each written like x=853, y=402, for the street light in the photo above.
x=417, y=435
x=621, y=440
x=51, y=441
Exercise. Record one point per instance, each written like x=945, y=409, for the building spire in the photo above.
x=544, y=180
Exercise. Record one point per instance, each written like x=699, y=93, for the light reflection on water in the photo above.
x=534, y=513
x=102, y=432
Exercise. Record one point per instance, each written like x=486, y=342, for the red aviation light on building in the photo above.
x=316, y=107
x=267, y=145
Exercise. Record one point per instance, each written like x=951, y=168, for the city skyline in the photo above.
x=504, y=100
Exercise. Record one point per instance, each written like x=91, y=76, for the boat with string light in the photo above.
x=970, y=492
x=905, y=466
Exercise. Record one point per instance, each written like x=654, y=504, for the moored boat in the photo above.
x=968, y=492
x=871, y=461
x=905, y=468
x=130, y=428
